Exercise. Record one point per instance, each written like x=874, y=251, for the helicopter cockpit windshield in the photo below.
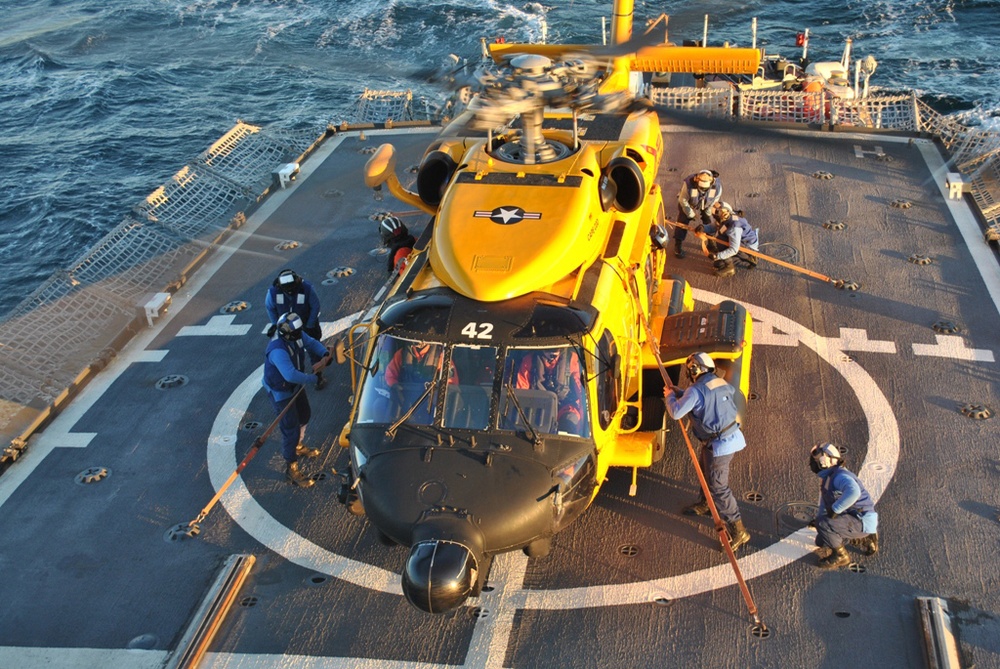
x=542, y=389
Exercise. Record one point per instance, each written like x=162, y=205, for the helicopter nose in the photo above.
x=439, y=575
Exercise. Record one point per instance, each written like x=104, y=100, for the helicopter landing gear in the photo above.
x=538, y=548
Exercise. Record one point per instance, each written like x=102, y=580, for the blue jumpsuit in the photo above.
x=738, y=234
x=710, y=401
x=284, y=373
x=304, y=302
x=841, y=493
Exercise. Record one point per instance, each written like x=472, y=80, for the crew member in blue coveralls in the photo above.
x=285, y=372
x=714, y=421
x=736, y=231
x=291, y=293
x=699, y=193
x=846, y=510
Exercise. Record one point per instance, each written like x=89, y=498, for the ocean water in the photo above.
x=101, y=101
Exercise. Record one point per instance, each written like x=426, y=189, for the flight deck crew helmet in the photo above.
x=704, y=179
x=697, y=364
x=288, y=281
x=289, y=326
x=390, y=228
x=723, y=212
x=824, y=456
x=439, y=575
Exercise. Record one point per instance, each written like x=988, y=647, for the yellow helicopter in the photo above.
x=515, y=359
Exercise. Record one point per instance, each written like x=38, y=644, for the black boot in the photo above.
x=725, y=268
x=699, y=508
x=838, y=557
x=679, y=248
x=297, y=477
x=305, y=452
x=738, y=534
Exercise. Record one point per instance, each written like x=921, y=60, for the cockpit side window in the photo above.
x=607, y=379
x=544, y=386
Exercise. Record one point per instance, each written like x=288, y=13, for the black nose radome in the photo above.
x=439, y=575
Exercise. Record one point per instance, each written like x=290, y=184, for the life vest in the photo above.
x=863, y=505
x=719, y=413
x=298, y=302
x=272, y=376
x=698, y=199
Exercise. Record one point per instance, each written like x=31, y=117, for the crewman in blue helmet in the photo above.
x=714, y=420
x=291, y=293
x=698, y=194
x=285, y=372
x=846, y=511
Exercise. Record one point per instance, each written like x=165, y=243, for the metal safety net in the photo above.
x=74, y=323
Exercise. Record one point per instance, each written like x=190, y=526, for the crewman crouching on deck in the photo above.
x=290, y=292
x=285, y=373
x=714, y=420
x=846, y=510
x=733, y=229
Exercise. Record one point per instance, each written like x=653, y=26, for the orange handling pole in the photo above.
x=254, y=447
x=720, y=526
x=837, y=283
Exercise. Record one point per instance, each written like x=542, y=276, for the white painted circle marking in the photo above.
x=876, y=471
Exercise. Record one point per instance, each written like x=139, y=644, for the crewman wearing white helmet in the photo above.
x=711, y=401
x=699, y=193
x=737, y=233
x=846, y=511
x=285, y=372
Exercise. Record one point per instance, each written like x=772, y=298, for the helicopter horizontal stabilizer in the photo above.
x=656, y=58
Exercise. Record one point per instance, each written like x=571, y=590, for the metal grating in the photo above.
x=375, y=106
x=709, y=102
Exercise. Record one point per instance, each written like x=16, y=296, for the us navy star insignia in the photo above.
x=507, y=215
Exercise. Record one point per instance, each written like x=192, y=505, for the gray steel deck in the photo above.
x=91, y=580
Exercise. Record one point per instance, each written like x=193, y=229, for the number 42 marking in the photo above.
x=478, y=330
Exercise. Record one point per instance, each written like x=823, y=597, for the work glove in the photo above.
x=830, y=513
x=271, y=330
x=562, y=391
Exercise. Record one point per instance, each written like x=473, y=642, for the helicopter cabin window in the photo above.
x=467, y=403
x=607, y=379
x=543, y=391
x=404, y=379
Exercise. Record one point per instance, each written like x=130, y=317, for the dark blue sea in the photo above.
x=101, y=101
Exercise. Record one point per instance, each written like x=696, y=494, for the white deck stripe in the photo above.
x=23, y=657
